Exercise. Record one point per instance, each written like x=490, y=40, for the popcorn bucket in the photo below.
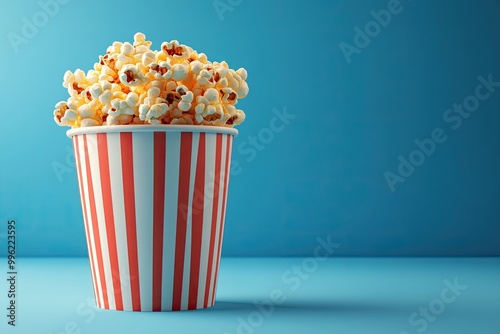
x=153, y=201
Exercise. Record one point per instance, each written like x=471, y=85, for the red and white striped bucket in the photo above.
x=154, y=202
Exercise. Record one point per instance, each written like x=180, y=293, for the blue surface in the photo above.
x=323, y=173
x=339, y=295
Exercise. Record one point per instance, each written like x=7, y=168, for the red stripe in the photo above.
x=95, y=227
x=130, y=220
x=229, y=140
x=216, y=178
x=182, y=207
x=158, y=210
x=76, y=149
x=198, y=204
x=109, y=219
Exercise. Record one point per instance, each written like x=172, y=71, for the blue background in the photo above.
x=323, y=174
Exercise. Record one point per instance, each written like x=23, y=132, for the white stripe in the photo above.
x=170, y=217
x=223, y=204
x=226, y=178
x=189, y=223
x=116, y=181
x=85, y=177
x=101, y=222
x=227, y=157
x=86, y=217
x=230, y=144
x=207, y=213
x=220, y=179
x=79, y=167
x=143, y=186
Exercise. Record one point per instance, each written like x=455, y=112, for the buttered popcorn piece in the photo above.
x=176, y=51
x=208, y=107
x=132, y=84
x=153, y=107
x=186, y=98
x=76, y=82
x=63, y=115
x=161, y=70
x=131, y=75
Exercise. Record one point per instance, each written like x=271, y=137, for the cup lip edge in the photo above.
x=151, y=128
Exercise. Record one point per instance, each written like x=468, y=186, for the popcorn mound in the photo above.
x=133, y=84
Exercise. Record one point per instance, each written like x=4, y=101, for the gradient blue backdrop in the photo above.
x=323, y=174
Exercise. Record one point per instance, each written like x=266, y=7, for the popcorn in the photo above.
x=186, y=98
x=204, y=76
x=131, y=75
x=148, y=57
x=125, y=105
x=207, y=105
x=153, y=107
x=89, y=122
x=229, y=96
x=115, y=48
x=132, y=84
x=184, y=120
x=177, y=51
x=179, y=72
x=238, y=118
x=86, y=111
x=63, y=115
x=127, y=49
x=75, y=82
x=161, y=70
x=140, y=41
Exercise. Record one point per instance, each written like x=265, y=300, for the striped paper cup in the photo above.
x=153, y=201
